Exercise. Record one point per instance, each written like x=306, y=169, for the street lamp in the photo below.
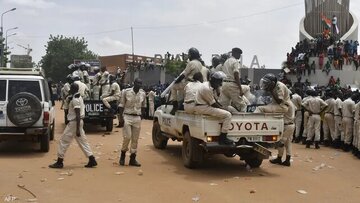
x=2, y=15
x=14, y=28
x=1, y=36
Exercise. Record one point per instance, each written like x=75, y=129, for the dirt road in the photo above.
x=165, y=179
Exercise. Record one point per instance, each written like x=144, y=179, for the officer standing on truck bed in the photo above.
x=75, y=129
x=113, y=94
x=132, y=106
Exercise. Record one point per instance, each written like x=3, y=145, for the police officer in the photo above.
x=279, y=92
x=64, y=94
x=348, y=108
x=356, y=129
x=289, y=127
x=296, y=100
x=114, y=93
x=190, y=92
x=132, y=106
x=329, y=121
x=338, y=120
x=74, y=129
x=306, y=116
x=104, y=81
x=314, y=105
x=232, y=93
x=177, y=90
x=151, y=95
x=83, y=89
x=77, y=72
x=95, y=84
x=206, y=104
x=215, y=64
x=85, y=68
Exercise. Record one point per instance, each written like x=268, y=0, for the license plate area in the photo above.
x=254, y=138
x=262, y=150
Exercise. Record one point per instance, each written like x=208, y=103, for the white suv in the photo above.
x=26, y=109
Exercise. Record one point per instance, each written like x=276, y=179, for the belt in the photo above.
x=330, y=113
x=288, y=123
x=200, y=104
x=130, y=114
x=338, y=115
x=189, y=102
x=228, y=80
x=75, y=119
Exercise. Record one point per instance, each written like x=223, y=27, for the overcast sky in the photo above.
x=266, y=28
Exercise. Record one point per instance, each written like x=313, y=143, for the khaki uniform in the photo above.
x=314, y=105
x=190, y=93
x=296, y=100
x=205, y=72
x=289, y=127
x=348, y=108
x=306, y=118
x=204, y=99
x=177, y=90
x=104, y=83
x=132, y=103
x=78, y=73
x=86, y=79
x=96, y=87
x=115, y=97
x=76, y=102
x=329, y=121
x=283, y=93
x=151, y=96
x=356, y=138
x=338, y=118
x=230, y=93
x=83, y=90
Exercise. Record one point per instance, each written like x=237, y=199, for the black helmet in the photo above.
x=268, y=82
x=112, y=78
x=215, y=61
x=193, y=53
x=96, y=69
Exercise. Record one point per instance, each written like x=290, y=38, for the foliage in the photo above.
x=6, y=52
x=61, y=52
x=174, y=67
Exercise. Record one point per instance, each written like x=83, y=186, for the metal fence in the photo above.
x=315, y=8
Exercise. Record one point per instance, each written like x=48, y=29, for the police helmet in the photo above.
x=215, y=61
x=75, y=77
x=218, y=75
x=193, y=53
x=268, y=82
x=96, y=69
x=112, y=77
x=71, y=66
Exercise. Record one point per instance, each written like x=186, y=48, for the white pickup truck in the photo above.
x=252, y=134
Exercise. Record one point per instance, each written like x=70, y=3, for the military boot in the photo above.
x=308, y=143
x=57, y=164
x=175, y=107
x=317, y=145
x=287, y=161
x=276, y=161
x=133, y=161
x=223, y=140
x=122, y=158
x=92, y=162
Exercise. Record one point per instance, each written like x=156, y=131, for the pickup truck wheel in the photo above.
x=192, y=153
x=109, y=125
x=45, y=142
x=159, y=141
x=254, y=162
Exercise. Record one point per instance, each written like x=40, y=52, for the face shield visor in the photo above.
x=265, y=84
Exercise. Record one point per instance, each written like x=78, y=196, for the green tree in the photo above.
x=174, y=67
x=6, y=52
x=61, y=52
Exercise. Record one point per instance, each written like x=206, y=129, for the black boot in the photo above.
x=303, y=141
x=336, y=143
x=223, y=140
x=308, y=143
x=346, y=148
x=287, y=161
x=92, y=162
x=175, y=107
x=122, y=158
x=57, y=164
x=276, y=161
x=133, y=161
x=317, y=145
x=327, y=143
x=297, y=140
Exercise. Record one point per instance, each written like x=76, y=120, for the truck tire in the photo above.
x=45, y=141
x=254, y=162
x=24, y=109
x=192, y=153
x=159, y=141
x=109, y=125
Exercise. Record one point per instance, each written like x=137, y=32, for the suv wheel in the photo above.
x=159, y=141
x=192, y=153
x=254, y=162
x=45, y=142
